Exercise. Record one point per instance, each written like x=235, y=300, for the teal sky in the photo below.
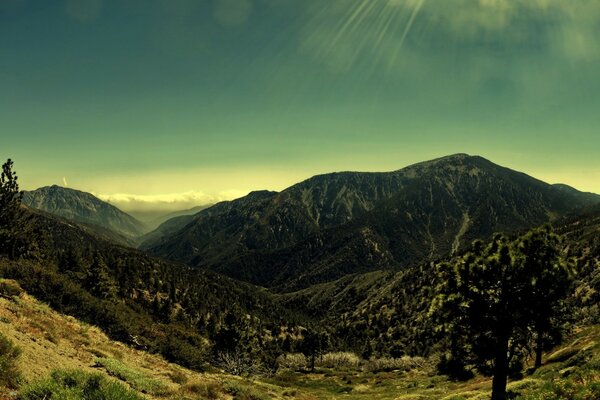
x=159, y=101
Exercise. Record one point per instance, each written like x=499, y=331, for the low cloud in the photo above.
x=168, y=201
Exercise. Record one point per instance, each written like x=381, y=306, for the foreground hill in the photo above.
x=49, y=340
x=139, y=299
x=338, y=224
x=84, y=208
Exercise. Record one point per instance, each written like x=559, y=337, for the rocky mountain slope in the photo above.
x=332, y=225
x=84, y=208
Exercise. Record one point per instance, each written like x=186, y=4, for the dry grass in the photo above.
x=51, y=341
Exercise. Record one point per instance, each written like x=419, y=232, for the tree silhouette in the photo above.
x=10, y=210
x=491, y=302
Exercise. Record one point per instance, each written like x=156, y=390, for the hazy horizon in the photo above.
x=171, y=103
x=151, y=206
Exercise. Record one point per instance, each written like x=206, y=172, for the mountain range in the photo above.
x=337, y=224
x=342, y=223
x=351, y=258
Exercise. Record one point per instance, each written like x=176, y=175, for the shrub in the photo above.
x=405, y=363
x=178, y=377
x=293, y=361
x=9, y=354
x=339, y=360
x=77, y=385
x=239, y=364
x=240, y=391
x=10, y=288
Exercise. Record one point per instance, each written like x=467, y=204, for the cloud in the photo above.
x=168, y=201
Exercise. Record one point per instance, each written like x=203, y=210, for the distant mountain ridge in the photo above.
x=341, y=223
x=84, y=208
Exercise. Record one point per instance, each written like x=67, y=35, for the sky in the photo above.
x=174, y=103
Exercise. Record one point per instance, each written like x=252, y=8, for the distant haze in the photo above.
x=166, y=202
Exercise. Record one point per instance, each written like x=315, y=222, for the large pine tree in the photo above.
x=497, y=298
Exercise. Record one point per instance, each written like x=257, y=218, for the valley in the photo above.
x=341, y=271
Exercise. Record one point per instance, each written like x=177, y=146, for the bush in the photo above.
x=239, y=364
x=293, y=361
x=9, y=372
x=241, y=391
x=395, y=364
x=339, y=360
x=10, y=288
x=77, y=385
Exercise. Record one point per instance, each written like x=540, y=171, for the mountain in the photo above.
x=342, y=223
x=83, y=208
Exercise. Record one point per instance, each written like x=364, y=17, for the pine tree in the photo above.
x=10, y=210
x=490, y=301
x=540, y=252
x=99, y=282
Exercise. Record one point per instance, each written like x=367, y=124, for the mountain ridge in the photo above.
x=82, y=207
x=349, y=222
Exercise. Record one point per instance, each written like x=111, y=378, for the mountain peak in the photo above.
x=82, y=207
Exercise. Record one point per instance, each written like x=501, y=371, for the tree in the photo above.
x=489, y=301
x=540, y=252
x=98, y=280
x=10, y=209
x=312, y=344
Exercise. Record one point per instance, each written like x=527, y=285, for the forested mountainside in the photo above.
x=137, y=298
x=386, y=312
x=337, y=224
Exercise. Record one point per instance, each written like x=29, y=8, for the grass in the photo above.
x=10, y=376
x=135, y=378
x=77, y=385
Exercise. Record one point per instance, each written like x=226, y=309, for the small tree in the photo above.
x=540, y=252
x=312, y=345
x=99, y=281
x=489, y=302
x=10, y=209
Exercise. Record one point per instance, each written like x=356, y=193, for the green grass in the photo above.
x=135, y=378
x=77, y=385
x=9, y=371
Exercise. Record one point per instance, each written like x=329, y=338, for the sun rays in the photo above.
x=355, y=30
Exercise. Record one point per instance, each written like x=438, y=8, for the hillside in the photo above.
x=165, y=307
x=49, y=340
x=338, y=224
x=84, y=208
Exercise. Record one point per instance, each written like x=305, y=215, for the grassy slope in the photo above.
x=50, y=340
